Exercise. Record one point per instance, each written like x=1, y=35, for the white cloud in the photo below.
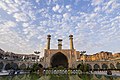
x=61, y=9
x=9, y=1
x=111, y=6
x=25, y=24
x=66, y=15
x=68, y=7
x=6, y=26
x=97, y=2
x=37, y=1
x=10, y=39
x=56, y=8
x=94, y=28
x=21, y=17
x=105, y=7
x=3, y=5
x=97, y=9
x=12, y=8
x=10, y=24
x=19, y=2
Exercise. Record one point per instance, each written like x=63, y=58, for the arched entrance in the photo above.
x=104, y=66
x=1, y=65
x=78, y=66
x=96, y=67
x=14, y=66
x=59, y=59
x=118, y=65
x=89, y=67
x=23, y=66
x=7, y=66
x=112, y=66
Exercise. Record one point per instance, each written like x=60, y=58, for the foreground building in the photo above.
x=68, y=58
x=60, y=57
x=10, y=60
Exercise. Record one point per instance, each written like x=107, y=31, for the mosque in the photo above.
x=67, y=58
x=70, y=58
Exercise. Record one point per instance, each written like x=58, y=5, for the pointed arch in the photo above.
x=59, y=59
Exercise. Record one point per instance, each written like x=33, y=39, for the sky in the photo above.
x=94, y=24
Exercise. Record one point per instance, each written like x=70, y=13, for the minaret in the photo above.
x=71, y=42
x=59, y=43
x=48, y=41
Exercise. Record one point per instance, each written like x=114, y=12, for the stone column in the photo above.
x=59, y=43
x=100, y=65
x=71, y=42
x=92, y=66
x=4, y=64
x=48, y=41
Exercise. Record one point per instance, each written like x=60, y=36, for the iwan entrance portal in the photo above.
x=59, y=59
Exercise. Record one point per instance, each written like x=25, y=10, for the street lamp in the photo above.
x=37, y=52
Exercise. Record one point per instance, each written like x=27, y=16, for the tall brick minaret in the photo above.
x=59, y=43
x=48, y=41
x=71, y=41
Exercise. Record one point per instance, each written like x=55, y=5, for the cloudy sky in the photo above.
x=95, y=24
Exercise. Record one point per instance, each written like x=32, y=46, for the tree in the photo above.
x=84, y=67
x=36, y=67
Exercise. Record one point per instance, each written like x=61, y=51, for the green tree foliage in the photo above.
x=84, y=68
x=35, y=67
